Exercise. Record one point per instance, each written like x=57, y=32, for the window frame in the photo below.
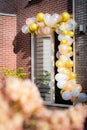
x=52, y=103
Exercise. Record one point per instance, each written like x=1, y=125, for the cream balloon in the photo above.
x=63, y=49
x=64, y=58
x=47, y=30
x=40, y=24
x=79, y=87
x=39, y=31
x=69, y=86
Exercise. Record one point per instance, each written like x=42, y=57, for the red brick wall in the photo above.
x=8, y=6
x=7, y=34
x=81, y=43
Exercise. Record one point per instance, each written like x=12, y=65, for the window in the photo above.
x=43, y=66
x=43, y=70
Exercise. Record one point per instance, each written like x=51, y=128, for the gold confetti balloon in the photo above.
x=40, y=17
x=65, y=16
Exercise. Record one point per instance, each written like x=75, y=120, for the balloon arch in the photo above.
x=64, y=26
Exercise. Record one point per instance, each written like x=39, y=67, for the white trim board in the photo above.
x=7, y=14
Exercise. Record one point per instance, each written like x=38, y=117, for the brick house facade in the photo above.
x=22, y=43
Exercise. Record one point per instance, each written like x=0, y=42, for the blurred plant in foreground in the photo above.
x=21, y=107
x=19, y=72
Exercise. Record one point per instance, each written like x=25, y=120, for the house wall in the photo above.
x=8, y=6
x=81, y=43
x=7, y=34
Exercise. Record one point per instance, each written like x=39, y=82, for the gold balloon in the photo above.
x=62, y=23
x=33, y=27
x=59, y=64
x=40, y=17
x=70, y=54
x=65, y=16
x=62, y=91
x=71, y=34
x=72, y=76
x=69, y=63
x=63, y=41
x=69, y=49
x=65, y=32
x=57, y=26
x=70, y=69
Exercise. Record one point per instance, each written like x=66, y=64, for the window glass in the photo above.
x=44, y=66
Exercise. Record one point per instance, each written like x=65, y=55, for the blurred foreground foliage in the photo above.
x=18, y=73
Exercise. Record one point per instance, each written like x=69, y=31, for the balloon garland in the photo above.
x=64, y=26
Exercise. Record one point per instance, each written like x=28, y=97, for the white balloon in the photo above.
x=66, y=95
x=57, y=31
x=56, y=17
x=75, y=92
x=68, y=38
x=52, y=22
x=58, y=55
x=63, y=27
x=61, y=77
x=64, y=58
x=30, y=20
x=61, y=69
x=47, y=19
x=61, y=83
x=82, y=97
x=72, y=24
x=60, y=37
x=24, y=29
